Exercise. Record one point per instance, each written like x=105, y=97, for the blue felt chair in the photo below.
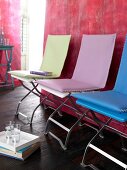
x=112, y=104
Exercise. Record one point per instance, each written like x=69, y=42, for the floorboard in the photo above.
x=50, y=156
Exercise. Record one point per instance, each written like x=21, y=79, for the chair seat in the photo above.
x=66, y=85
x=26, y=74
x=109, y=103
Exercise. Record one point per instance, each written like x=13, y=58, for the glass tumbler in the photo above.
x=9, y=127
x=16, y=133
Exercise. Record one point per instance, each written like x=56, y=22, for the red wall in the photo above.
x=77, y=17
x=10, y=21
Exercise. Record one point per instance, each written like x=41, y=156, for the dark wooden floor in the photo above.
x=51, y=156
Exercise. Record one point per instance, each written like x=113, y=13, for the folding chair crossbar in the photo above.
x=97, y=149
x=32, y=90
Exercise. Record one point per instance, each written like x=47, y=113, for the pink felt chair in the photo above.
x=91, y=72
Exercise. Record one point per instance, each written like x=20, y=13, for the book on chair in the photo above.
x=41, y=73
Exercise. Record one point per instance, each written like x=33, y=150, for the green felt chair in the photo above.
x=53, y=61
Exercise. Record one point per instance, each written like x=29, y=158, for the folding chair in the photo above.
x=113, y=105
x=55, y=51
x=90, y=73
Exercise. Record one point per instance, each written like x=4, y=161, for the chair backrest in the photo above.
x=55, y=53
x=121, y=81
x=94, y=59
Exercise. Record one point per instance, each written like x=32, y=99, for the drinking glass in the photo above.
x=16, y=133
x=9, y=126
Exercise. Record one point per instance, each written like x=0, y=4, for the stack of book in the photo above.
x=21, y=150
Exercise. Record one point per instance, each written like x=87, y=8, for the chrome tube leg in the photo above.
x=78, y=110
x=46, y=129
x=17, y=110
x=75, y=107
x=30, y=91
x=84, y=155
x=38, y=107
x=21, y=102
x=58, y=100
x=100, y=131
x=63, y=145
x=34, y=113
x=123, y=144
x=75, y=124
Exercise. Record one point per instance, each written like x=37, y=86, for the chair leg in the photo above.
x=79, y=116
x=90, y=165
x=30, y=91
x=69, y=131
x=41, y=102
x=53, y=101
x=123, y=144
x=88, y=145
x=55, y=111
x=101, y=151
x=17, y=110
x=63, y=145
x=31, y=120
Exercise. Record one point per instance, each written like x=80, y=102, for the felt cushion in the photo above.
x=109, y=99
x=119, y=116
x=66, y=85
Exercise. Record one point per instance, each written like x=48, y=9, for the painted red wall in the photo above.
x=77, y=17
x=10, y=21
